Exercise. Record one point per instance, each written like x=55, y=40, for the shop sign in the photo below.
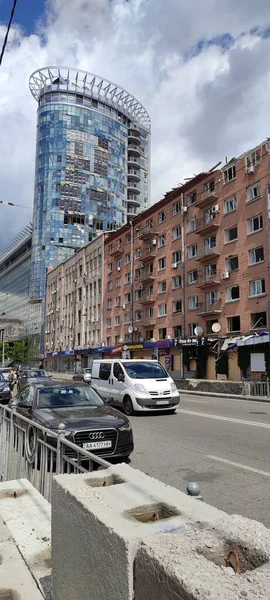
x=182, y=342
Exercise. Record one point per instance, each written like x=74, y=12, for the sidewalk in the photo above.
x=228, y=396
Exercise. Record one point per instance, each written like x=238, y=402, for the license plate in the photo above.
x=162, y=402
x=97, y=445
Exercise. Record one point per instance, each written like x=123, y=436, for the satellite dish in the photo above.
x=130, y=329
x=216, y=327
x=198, y=331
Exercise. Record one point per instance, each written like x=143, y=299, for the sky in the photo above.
x=201, y=69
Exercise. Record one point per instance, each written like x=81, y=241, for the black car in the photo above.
x=31, y=375
x=90, y=423
x=5, y=393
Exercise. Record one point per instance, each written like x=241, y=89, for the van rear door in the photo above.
x=101, y=378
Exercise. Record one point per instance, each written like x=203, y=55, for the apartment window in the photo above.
x=109, y=322
x=128, y=237
x=176, y=282
x=232, y=293
x=192, y=198
x=162, y=287
x=257, y=287
x=117, y=320
x=254, y=192
x=110, y=268
x=119, y=264
x=128, y=317
x=210, y=271
x=109, y=303
x=258, y=320
x=79, y=316
x=255, y=224
x=191, y=225
x=118, y=282
x=128, y=298
x=209, y=188
x=193, y=302
x=110, y=286
x=177, y=331
x=128, y=258
x=80, y=294
x=138, y=253
x=137, y=274
x=110, y=249
x=177, y=306
x=256, y=255
x=191, y=328
x=234, y=324
x=229, y=174
x=162, y=240
x=253, y=159
x=232, y=264
x=176, y=207
x=149, y=291
x=192, y=276
x=176, y=257
x=209, y=325
x=149, y=334
x=162, y=333
x=149, y=269
x=138, y=294
x=127, y=278
x=209, y=215
x=149, y=224
x=231, y=234
x=138, y=315
x=192, y=251
x=162, y=216
x=149, y=313
x=162, y=263
x=230, y=205
x=176, y=233
x=162, y=310
x=211, y=298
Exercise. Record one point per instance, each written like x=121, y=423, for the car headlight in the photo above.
x=126, y=427
x=173, y=387
x=139, y=387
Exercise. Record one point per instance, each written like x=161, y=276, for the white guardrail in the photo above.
x=30, y=451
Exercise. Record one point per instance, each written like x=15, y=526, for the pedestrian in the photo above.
x=11, y=379
x=41, y=366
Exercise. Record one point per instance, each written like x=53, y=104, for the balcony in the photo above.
x=206, y=225
x=209, y=196
x=132, y=187
x=134, y=162
x=132, y=212
x=116, y=250
x=210, y=307
x=134, y=137
x=147, y=233
x=147, y=299
x=134, y=149
x=134, y=199
x=205, y=283
x=150, y=254
x=133, y=131
x=209, y=253
x=150, y=322
x=134, y=174
x=148, y=278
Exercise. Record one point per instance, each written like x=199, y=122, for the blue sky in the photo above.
x=26, y=15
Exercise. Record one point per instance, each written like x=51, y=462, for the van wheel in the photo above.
x=128, y=406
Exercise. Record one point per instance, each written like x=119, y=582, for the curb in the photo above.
x=228, y=396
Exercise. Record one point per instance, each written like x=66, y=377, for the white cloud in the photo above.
x=211, y=105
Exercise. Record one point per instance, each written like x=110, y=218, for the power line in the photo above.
x=8, y=30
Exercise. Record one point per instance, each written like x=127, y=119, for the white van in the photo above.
x=135, y=385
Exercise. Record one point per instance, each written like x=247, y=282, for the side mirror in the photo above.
x=121, y=377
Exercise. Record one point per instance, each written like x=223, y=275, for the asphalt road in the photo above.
x=223, y=444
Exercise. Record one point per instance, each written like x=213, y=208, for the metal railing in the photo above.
x=253, y=387
x=30, y=451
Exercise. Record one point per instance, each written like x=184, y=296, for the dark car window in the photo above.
x=1, y=377
x=37, y=374
x=117, y=369
x=145, y=370
x=87, y=370
x=67, y=396
x=104, y=371
x=27, y=395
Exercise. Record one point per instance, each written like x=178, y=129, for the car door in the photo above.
x=78, y=375
x=117, y=387
x=24, y=405
x=104, y=380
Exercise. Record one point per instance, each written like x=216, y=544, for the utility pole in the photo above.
x=183, y=282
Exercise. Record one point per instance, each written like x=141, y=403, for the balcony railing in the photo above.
x=206, y=253
x=209, y=307
x=147, y=233
x=149, y=254
x=116, y=250
x=147, y=299
x=206, y=225
x=209, y=196
x=208, y=281
x=148, y=277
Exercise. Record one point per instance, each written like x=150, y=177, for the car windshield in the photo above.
x=67, y=396
x=145, y=370
x=38, y=373
x=87, y=370
x=1, y=377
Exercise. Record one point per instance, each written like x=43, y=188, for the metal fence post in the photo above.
x=60, y=436
x=13, y=406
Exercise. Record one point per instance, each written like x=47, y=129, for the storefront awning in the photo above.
x=251, y=340
x=230, y=343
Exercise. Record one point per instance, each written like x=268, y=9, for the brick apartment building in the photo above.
x=196, y=258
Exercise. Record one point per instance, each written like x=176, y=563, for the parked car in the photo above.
x=5, y=372
x=5, y=393
x=26, y=377
x=90, y=423
x=83, y=375
x=135, y=385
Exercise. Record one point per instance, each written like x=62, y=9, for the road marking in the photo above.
x=219, y=418
x=201, y=401
x=239, y=465
x=264, y=402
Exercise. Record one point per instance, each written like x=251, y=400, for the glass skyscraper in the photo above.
x=91, y=164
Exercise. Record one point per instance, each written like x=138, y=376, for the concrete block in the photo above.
x=192, y=565
x=96, y=528
x=27, y=516
x=16, y=582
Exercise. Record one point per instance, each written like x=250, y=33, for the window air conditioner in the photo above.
x=225, y=275
x=174, y=265
x=215, y=209
x=154, y=242
x=250, y=169
x=184, y=209
x=118, y=268
x=123, y=306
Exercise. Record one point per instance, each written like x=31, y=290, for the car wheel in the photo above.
x=128, y=406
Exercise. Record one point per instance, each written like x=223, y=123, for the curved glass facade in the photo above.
x=91, y=167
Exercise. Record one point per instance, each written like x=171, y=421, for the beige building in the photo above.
x=74, y=306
